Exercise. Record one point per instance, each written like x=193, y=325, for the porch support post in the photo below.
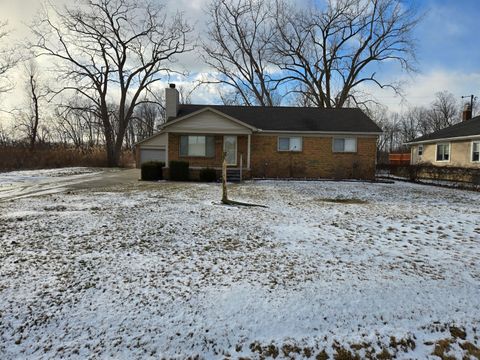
x=248, y=150
x=166, y=151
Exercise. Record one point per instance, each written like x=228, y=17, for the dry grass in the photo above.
x=20, y=157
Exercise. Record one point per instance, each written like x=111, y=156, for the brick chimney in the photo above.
x=171, y=101
x=467, y=112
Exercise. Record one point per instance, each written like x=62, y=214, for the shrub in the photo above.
x=414, y=172
x=152, y=170
x=179, y=170
x=428, y=171
x=208, y=175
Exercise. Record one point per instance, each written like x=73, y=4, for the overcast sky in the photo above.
x=448, y=52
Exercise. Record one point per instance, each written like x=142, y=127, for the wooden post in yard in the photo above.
x=224, y=179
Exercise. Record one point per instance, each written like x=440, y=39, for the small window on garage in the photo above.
x=290, y=143
x=197, y=146
x=420, y=150
x=475, y=151
x=344, y=145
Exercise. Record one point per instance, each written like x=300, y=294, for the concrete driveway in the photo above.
x=21, y=184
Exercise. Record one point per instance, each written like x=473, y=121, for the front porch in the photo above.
x=203, y=151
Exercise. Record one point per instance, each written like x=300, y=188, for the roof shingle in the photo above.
x=464, y=129
x=294, y=118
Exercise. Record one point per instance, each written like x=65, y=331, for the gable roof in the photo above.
x=293, y=119
x=465, y=129
x=206, y=108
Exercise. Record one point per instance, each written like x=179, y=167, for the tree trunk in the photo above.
x=112, y=157
x=36, y=115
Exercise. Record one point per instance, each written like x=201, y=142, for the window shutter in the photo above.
x=183, y=145
x=210, y=146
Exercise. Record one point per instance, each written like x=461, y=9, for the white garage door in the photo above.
x=152, y=155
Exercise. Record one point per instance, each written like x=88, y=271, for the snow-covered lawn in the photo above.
x=161, y=270
x=16, y=184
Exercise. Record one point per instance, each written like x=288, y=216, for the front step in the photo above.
x=233, y=175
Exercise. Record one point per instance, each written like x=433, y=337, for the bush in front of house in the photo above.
x=152, y=170
x=179, y=170
x=208, y=175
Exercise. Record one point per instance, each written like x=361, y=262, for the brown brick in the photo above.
x=213, y=162
x=316, y=160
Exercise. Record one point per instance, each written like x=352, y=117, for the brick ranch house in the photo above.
x=265, y=142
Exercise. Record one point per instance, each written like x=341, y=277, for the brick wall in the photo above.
x=316, y=160
x=213, y=162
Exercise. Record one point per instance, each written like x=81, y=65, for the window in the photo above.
x=202, y=146
x=443, y=152
x=420, y=150
x=344, y=145
x=476, y=151
x=292, y=143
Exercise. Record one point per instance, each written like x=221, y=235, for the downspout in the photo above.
x=249, y=140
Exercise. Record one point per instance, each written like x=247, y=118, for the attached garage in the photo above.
x=152, y=149
x=152, y=155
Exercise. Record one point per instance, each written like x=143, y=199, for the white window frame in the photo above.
x=420, y=152
x=204, y=145
x=344, y=138
x=289, y=149
x=471, y=153
x=449, y=152
x=236, y=148
x=188, y=146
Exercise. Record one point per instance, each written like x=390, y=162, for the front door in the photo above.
x=230, y=147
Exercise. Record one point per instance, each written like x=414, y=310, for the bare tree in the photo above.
x=112, y=51
x=379, y=114
x=414, y=123
x=8, y=59
x=143, y=125
x=37, y=92
x=185, y=93
x=238, y=50
x=331, y=52
x=444, y=111
x=78, y=124
x=6, y=136
x=28, y=117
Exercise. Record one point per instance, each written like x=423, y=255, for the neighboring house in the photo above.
x=456, y=146
x=266, y=142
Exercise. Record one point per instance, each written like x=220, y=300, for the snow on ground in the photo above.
x=29, y=175
x=161, y=270
x=25, y=183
